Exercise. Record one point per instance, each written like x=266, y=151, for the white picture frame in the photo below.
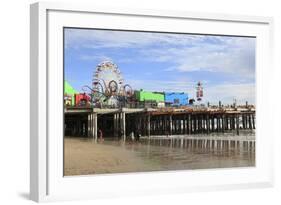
x=46, y=179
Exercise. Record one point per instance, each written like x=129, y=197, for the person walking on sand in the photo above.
x=121, y=134
x=137, y=136
x=100, y=135
x=132, y=136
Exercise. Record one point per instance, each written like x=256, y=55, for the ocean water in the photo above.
x=193, y=153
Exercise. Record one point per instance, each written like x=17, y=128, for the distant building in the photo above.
x=69, y=93
x=142, y=95
x=82, y=99
x=176, y=98
x=149, y=99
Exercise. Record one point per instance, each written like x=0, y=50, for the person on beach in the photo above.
x=121, y=134
x=138, y=136
x=100, y=135
x=132, y=136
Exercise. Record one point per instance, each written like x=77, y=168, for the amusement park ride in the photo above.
x=108, y=88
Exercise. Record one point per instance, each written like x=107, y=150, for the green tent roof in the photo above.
x=68, y=89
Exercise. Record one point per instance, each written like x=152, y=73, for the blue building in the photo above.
x=176, y=98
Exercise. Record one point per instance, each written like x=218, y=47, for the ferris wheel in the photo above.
x=108, y=84
x=107, y=79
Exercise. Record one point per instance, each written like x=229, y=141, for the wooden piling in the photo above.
x=148, y=125
x=237, y=123
x=123, y=125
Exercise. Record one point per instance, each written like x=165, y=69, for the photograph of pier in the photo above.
x=138, y=101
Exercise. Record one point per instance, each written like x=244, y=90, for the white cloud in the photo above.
x=226, y=93
x=100, y=58
x=95, y=57
x=115, y=39
x=161, y=85
x=232, y=55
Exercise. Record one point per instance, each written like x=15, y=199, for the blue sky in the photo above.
x=166, y=62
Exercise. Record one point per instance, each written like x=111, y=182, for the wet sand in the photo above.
x=83, y=157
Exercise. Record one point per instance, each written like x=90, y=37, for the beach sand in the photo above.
x=84, y=157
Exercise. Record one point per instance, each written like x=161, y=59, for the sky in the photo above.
x=166, y=62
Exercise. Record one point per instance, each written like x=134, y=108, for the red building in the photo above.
x=82, y=99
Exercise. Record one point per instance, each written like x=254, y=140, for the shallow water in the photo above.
x=192, y=154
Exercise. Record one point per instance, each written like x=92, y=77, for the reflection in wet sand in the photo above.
x=84, y=156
